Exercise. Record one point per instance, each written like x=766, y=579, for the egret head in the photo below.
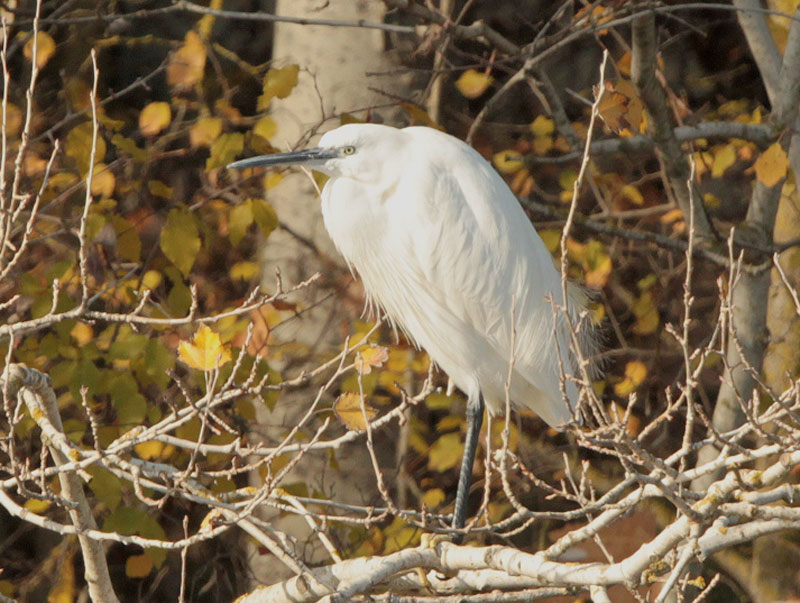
x=364, y=152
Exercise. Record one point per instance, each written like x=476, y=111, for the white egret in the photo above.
x=443, y=246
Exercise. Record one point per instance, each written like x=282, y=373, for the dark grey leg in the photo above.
x=474, y=421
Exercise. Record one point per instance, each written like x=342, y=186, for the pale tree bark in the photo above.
x=768, y=576
x=749, y=299
x=36, y=391
x=339, y=73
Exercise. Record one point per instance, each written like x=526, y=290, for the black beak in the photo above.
x=306, y=156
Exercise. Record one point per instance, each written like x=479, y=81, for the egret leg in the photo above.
x=474, y=420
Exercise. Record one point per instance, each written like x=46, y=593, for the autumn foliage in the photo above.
x=131, y=293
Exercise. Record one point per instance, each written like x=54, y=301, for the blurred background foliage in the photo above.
x=181, y=95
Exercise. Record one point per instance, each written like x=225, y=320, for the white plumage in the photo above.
x=444, y=247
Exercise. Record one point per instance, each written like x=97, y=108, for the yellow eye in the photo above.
x=348, y=150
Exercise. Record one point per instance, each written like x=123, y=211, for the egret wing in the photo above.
x=483, y=263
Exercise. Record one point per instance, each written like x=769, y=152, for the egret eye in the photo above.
x=349, y=150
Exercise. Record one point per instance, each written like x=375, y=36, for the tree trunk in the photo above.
x=334, y=66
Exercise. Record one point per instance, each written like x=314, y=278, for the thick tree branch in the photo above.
x=760, y=134
x=762, y=46
x=643, y=74
x=35, y=389
x=749, y=298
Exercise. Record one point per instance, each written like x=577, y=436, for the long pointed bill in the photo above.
x=308, y=157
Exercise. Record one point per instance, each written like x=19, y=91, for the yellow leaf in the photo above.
x=265, y=128
x=348, y=409
x=439, y=402
x=151, y=279
x=433, y=498
x=149, y=450
x=419, y=116
x=13, y=118
x=159, y=189
x=724, y=158
x=187, y=65
x=449, y=423
x=646, y=313
x=205, y=131
x=624, y=64
x=635, y=373
x=6, y=589
x=212, y=519
x=127, y=145
x=278, y=83
x=598, y=313
x=734, y=107
x=399, y=535
x=446, y=452
x=205, y=352
x=633, y=425
x=498, y=427
x=63, y=590
x=632, y=194
x=711, y=200
x=771, y=166
x=542, y=126
x=671, y=216
x=272, y=179
x=542, y=145
x=265, y=216
x=45, y=47
x=597, y=264
x=138, y=566
x=244, y=271
x=37, y=506
x=82, y=333
x=567, y=178
x=576, y=250
x=154, y=118
x=551, y=238
x=612, y=107
x=103, y=181
x=508, y=161
x=369, y=358
x=473, y=83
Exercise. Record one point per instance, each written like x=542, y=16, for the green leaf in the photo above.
x=86, y=375
x=106, y=486
x=180, y=239
x=179, y=299
x=265, y=216
x=129, y=245
x=79, y=146
x=74, y=430
x=128, y=345
x=130, y=405
x=129, y=147
x=153, y=364
x=265, y=128
x=132, y=520
x=240, y=219
x=224, y=150
x=278, y=83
